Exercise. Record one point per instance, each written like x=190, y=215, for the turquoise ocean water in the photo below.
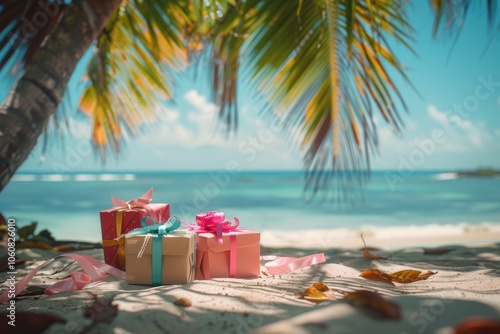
x=69, y=204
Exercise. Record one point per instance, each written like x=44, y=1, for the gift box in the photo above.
x=156, y=258
x=124, y=217
x=237, y=256
x=223, y=249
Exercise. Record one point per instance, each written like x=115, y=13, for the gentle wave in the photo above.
x=72, y=177
x=445, y=176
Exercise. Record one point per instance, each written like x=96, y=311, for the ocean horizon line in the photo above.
x=194, y=171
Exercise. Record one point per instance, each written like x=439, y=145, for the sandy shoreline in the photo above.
x=385, y=237
x=467, y=284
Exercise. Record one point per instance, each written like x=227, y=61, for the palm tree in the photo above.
x=322, y=65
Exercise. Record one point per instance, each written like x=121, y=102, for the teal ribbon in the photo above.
x=157, y=231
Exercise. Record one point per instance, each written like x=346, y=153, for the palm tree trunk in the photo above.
x=36, y=95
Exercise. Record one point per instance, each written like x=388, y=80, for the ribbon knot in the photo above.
x=214, y=222
x=157, y=228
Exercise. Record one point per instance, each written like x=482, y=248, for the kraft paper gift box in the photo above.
x=237, y=256
x=155, y=259
x=124, y=217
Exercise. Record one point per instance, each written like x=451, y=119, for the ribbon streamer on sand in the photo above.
x=282, y=265
x=94, y=271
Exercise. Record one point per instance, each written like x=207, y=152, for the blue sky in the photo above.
x=460, y=100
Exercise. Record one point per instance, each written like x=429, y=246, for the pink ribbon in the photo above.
x=142, y=202
x=94, y=271
x=213, y=222
x=282, y=265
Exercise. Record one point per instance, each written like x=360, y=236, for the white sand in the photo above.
x=467, y=284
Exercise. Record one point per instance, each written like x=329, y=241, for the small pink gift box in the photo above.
x=238, y=255
x=224, y=250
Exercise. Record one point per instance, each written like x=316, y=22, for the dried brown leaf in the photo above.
x=4, y=263
x=403, y=276
x=100, y=311
x=376, y=275
x=184, y=302
x=28, y=322
x=478, y=325
x=375, y=302
x=410, y=275
x=370, y=256
x=317, y=293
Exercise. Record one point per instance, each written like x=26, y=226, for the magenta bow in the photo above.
x=142, y=202
x=214, y=222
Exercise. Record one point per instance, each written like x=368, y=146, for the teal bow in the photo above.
x=157, y=231
x=160, y=229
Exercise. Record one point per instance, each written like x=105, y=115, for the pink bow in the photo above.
x=142, y=202
x=214, y=222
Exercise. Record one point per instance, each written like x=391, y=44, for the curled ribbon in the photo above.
x=281, y=265
x=214, y=222
x=93, y=271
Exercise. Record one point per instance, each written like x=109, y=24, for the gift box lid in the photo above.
x=173, y=244
x=161, y=214
x=244, y=238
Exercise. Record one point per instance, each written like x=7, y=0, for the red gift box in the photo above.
x=124, y=217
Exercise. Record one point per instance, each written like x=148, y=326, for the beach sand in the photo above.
x=467, y=284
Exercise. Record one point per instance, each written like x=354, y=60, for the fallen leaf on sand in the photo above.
x=27, y=322
x=184, y=302
x=4, y=264
x=478, y=325
x=403, y=276
x=376, y=275
x=317, y=293
x=100, y=311
x=437, y=251
x=370, y=256
x=375, y=302
x=409, y=276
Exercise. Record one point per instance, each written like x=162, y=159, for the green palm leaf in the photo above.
x=131, y=68
x=325, y=69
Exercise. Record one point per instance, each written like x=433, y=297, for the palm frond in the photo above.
x=25, y=26
x=131, y=68
x=450, y=15
x=325, y=67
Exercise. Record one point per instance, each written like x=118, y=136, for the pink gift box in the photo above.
x=122, y=219
x=237, y=256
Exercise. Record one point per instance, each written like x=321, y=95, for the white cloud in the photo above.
x=462, y=133
x=196, y=130
x=437, y=115
x=497, y=132
x=200, y=102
